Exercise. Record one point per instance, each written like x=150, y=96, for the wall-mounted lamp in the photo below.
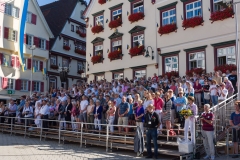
x=107, y=21
x=157, y=24
x=127, y=46
x=181, y=17
x=209, y=9
x=86, y=19
x=90, y=26
x=108, y=51
x=90, y=55
x=147, y=52
x=127, y=13
x=159, y=50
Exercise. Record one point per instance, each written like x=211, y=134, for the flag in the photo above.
x=23, y=67
x=33, y=69
x=44, y=71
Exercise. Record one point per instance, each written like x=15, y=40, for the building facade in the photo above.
x=139, y=38
x=68, y=48
x=16, y=78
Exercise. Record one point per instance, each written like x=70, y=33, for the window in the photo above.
x=42, y=43
x=65, y=42
x=99, y=77
x=36, y=65
x=218, y=5
x=10, y=83
x=193, y=9
x=65, y=62
x=29, y=40
x=80, y=66
x=53, y=82
x=11, y=10
x=117, y=76
x=98, y=49
x=197, y=60
x=53, y=60
x=117, y=45
x=5, y=59
x=36, y=86
x=138, y=40
x=226, y=55
x=80, y=46
x=24, y=85
x=82, y=29
x=169, y=17
x=137, y=7
x=29, y=17
x=72, y=28
x=140, y=73
x=171, y=64
x=117, y=14
x=12, y=35
x=77, y=28
x=99, y=20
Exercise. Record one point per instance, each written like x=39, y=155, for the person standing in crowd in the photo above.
x=222, y=96
x=197, y=92
x=83, y=110
x=180, y=104
x=152, y=124
x=214, y=92
x=217, y=78
x=37, y=115
x=173, y=109
x=208, y=133
x=44, y=111
x=228, y=86
x=233, y=78
x=111, y=115
x=67, y=112
x=20, y=108
x=12, y=112
x=28, y=113
x=190, y=121
x=123, y=114
x=2, y=112
x=61, y=110
x=139, y=115
x=158, y=103
x=131, y=118
x=167, y=110
x=90, y=116
x=74, y=115
x=189, y=90
x=206, y=92
x=148, y=100
x=98, y=115
x=104, y=105
x=235, y=124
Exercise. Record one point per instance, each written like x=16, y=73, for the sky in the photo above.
x=43, y=2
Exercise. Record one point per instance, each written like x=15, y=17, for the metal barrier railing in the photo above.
x=234, y=135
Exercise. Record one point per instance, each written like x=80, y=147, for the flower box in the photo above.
x=52, y=66
x=79, y=51
x=97, y=59
x=192, y=22
x=225, y=67
x=167, y=29
x=115, y=55
x=97, y=29
x=197, y=71
x=102, y=1
x=66, y=48
x=136, y=51
x=171, y=74
x=221, y=15
x=115, y=23
x=80, y=71
x=81, y=34
x=136, y=17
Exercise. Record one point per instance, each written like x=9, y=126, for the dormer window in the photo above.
x=99, y=20
x=138, y=40
x=117, y=14
x=117, y=45
x=98, y=49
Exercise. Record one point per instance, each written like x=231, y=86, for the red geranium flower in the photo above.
x=115, y=23
x=136, y=17
x=82, y=52
x=197, y=71
x=192, y=22
x=171, y=74
x=167, y=29
x=136, y=50
x=225, y=67
x=101, y=1
x=115, y=54
x=221, y=15
x=66, y=48
x=96, y=59
x=97, y=29
x=80, y=71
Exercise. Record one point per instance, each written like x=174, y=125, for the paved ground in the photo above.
x=20, y=148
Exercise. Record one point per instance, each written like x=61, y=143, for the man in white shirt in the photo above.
x=115, y=87
x=44, y=113
x=62, y=97
x=222, y=96
x=83, y=109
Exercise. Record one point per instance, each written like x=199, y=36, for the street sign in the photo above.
x=11, y=91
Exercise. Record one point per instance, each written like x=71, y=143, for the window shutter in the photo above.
x=41, y=65
x=47, y=45
x=42, y=86
x=25, y=38
x=17, y=63
x=34, y=19
x=1, y=58
x=6, y=32
x=18, y=85
x=13, y=59
x=4, y=83
x=29, y=64
x=36, y=41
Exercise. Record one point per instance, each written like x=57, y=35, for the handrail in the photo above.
x=212, y=108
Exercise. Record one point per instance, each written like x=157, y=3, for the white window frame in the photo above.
x=169, y=65
x=24, y=85
x=66, y=60
x=27, y=40
x=169, y=17
x=217, y=7
x=42, y=43
x=116, y=13
x=119, y=76
x=6, y=62
x=29, y=17
x=100, y=77
x=98, y=48
x=11, y=10
x=116, y=45
x=11, y=84
x=99, y=20
x=228, y=52
x=53, y=59
x=12, y=35
x=142, y=73
x=197, y=58
x=53, y=80
x=139, y=8
x=36, y=65
x=37, y=85
x=66, y=42
x=80, y=66
x=139, y=39
x=193, y=9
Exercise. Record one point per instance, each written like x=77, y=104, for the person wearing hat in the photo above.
x=152, y=123
x=222, y=96
x=190, y=121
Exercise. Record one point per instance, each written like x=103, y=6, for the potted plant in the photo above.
x=171, y=74
x=79, y=51
x=115, y=54
x=81, y=34
x=166, y=29
x=197, y=71
x=115, y=23
x=53, y=66
x=136, y=17
x=225, y=67
x=101, y=2
x=192, y=22
x=97, y=59
x=223, y=14
x=135, y=51
x=97, y=29
x=66, y=48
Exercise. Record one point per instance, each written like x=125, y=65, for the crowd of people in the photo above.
x=125, y=102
